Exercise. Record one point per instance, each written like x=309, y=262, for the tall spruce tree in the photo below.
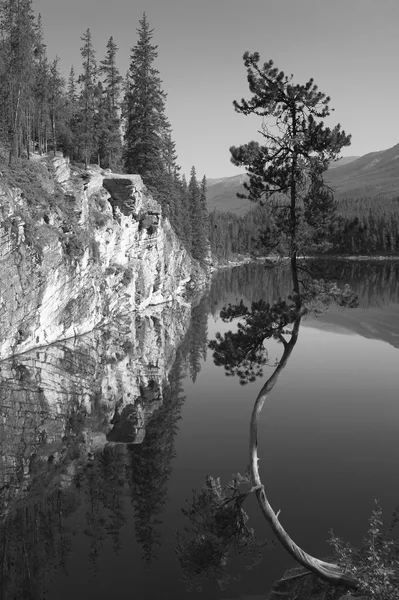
x=40, y=90
x=204, y=222
x=198, y=216
x=169, y=187
x=88, y=81
x=147, y=127
x=184, y=214
x=110, y=143
x=70, y=117
x=112, y=78
x=56, y=101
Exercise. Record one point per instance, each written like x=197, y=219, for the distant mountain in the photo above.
x=344, y=160
x=372, y=175
x=222, y=194
x=373, y=323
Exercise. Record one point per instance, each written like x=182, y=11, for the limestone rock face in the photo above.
x=121, y=255
x=62, y=403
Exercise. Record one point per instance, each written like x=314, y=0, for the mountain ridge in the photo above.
x=375, y=174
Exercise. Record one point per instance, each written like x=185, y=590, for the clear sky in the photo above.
x=349, y=47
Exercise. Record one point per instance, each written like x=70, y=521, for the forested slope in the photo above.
x=94, y=116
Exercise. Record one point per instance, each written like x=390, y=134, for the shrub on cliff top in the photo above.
x=41, y=195
x=33, y=177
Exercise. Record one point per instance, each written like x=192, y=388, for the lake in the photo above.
x=103, y=438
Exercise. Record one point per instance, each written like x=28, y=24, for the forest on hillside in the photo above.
x=362, y=226
x=96, y=115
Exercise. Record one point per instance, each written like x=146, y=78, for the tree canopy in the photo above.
x=286, y=170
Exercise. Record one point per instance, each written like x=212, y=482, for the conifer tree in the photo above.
x=41, y=85
x=72, y=90
x=147, y=127
x=19, y=36
x=198, y=217
x=70, y=119
x=112, y=78
x=293, y=157
x=56, y=101
x=170, y=157
x=169, y=187
x=88, y=80
x=194, y=200
x=204, y=221
x=110, y=143
x=184, y=215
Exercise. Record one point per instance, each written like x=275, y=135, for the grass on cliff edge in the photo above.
x=35, y=178
x=42, y=195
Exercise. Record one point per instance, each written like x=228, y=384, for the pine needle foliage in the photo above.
x=285, y=172
x=147, y=127
x=218, y=530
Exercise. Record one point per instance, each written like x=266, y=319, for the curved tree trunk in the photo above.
x=327, y=571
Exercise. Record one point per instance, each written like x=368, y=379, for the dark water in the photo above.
x=104, y=437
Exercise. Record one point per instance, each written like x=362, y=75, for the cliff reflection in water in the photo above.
x=88, y=427
x=88, y=424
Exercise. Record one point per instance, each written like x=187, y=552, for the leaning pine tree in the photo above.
x=286, y=173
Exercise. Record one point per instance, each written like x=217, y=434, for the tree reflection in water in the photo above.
x=55, y=404
x=206, y=550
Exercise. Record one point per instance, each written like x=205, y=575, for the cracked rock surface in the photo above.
x=122, y=257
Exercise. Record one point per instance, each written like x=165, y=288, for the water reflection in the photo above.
x=86, y=425
x=88, y=431
x=375, y=283
x=243, y=352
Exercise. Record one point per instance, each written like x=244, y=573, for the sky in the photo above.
x=349, y=47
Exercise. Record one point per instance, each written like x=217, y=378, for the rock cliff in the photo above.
x=100, y=250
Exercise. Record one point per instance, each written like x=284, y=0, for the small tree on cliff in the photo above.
x=147, y=128
x=286, y=172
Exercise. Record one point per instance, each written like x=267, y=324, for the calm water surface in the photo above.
x=88, y=515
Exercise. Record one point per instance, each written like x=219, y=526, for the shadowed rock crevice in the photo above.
x=130, y=195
